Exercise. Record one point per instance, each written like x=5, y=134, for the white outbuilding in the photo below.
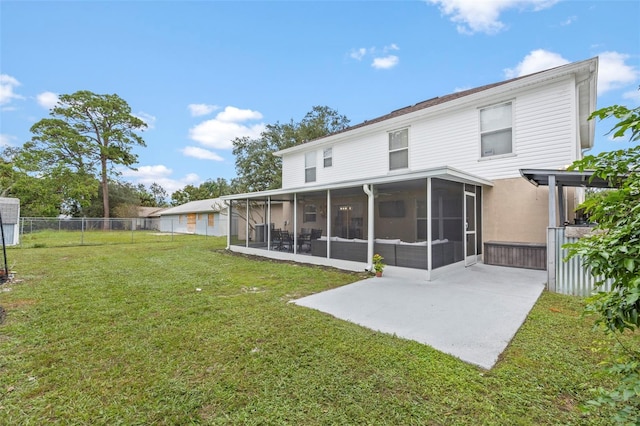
x=202, y=217
x=10, y=211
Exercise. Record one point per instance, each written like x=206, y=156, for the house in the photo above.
x=10, y=214
x=202, y=217
x=433, y=184
x=148, y=218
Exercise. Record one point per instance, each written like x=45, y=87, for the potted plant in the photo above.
x=378, y=266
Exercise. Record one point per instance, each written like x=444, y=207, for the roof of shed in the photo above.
x=211, y=205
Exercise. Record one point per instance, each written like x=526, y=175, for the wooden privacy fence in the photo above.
x=571, y=276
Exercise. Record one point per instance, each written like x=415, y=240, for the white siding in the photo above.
x=544, y=129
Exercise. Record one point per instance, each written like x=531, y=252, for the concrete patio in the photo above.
x=471, y=313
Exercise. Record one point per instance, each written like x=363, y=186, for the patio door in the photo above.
x=470, y=235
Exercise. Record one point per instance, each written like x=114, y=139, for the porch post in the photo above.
x=268, y=224
x=429, y=230
x=368, y=189
x=551, y=236
x=328, y=223
x=246, y=225
x=561, y=204
x=295, y=223
x=552, y=201
x=229, y=204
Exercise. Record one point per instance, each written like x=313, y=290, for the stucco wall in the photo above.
x=517, y=211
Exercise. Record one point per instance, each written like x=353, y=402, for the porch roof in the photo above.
x=445, y=172
x=571, y=178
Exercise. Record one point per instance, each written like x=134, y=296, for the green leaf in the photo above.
x=629, y=264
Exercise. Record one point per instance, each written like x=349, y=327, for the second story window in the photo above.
x=328, y=157
x=310, y=167
x=495, y=130
x=399, y=149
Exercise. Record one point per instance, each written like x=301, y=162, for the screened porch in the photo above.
x=423, y=223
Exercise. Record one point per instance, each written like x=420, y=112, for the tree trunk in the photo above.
x=105, y=194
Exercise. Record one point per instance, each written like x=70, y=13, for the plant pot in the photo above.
x=379, y=274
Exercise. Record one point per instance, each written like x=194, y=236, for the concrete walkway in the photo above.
x=471, y=313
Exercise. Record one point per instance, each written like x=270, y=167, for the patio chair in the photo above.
x=286, y=241
x=276, y=239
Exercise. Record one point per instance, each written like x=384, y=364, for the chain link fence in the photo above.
x=51, y=232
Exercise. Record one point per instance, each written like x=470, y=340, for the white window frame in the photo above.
x=310, y=165
x=485, y=154
x=397, y=150
x=327, y=157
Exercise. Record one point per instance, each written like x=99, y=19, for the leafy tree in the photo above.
x=258, y=169
x=612, y=252
x=208, y=189
x=58, y=192
x=159, y=195
x=87, y=136
x=120, y=193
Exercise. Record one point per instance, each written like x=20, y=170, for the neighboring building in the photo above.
x=203, y=217
x=10, y=211
x=149, y=218
x=427, y=185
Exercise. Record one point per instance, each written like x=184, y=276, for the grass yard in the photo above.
x=120, y=334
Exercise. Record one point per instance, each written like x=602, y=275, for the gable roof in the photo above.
x=211, y=205
x=584, y=72
x=150, y=211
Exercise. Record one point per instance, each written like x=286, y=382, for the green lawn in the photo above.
x=119, y=334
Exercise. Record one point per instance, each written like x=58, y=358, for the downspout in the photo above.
x=368, y=189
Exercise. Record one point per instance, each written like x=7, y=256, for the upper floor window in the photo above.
x=399, y=149
x=310, y=167
x=328, y=157
x=495, y=130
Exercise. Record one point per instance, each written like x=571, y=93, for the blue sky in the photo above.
x=201, y=73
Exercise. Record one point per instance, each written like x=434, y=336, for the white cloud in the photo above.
x=233, y=114
x=161, y=175
x=461, y=89
x=381, y=58
x=228, y=125
x=358, y=54
x=386, y=62
x=537, y=60
x=473, y=16
x=633, y=96
x=613, y=73
x=47, y=99
x=391, y=47
x=198, y=110
x=7, y=86
x=570, y=20
x=201, y=153
x=149, y=119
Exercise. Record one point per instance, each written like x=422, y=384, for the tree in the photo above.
x=612, y=252
x=207, y=189
x=58, y=192
x=258, y=169
x=120, y=193
x=159, y=195
x=87, y=136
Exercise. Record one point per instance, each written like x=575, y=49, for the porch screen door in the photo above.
x=470, y=247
